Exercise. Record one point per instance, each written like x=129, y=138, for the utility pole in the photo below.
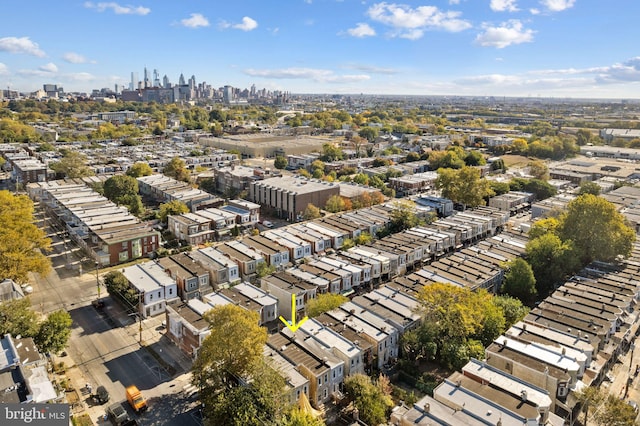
x=97, y=280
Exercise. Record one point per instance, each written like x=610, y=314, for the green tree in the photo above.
x=262, y=270
x=474, y=158
x=119, y=186
x=297, y=417
x=176, y=168
x=347, y=243
x=539, y=188
x=311, y=212
x=54, y=332
x=117, y=285
x=403, y=216
x=538, y=169
x=22, y=243
x=449, y=159
x=519, y=281
x=374, y=406
x=331, y=153
x=140, y=169
x=324, y=303
x=72, y=165
x=369, y=133
x=616, y=412
x=363, y=238
x=335, y=204
x=233, y=350
x=512, y=308
x=464, y=186
x=588, y=397
x=597, y=230
x=173, y=207
x=551, y=260
x=17, y=318
x=589, y=188
x=280, y=162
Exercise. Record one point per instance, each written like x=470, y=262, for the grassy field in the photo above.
x=515, y=160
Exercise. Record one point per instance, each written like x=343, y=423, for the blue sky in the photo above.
x=556, y=48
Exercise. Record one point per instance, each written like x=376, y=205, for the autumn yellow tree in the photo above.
x=22, y=243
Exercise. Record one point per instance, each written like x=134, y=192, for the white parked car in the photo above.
x=27, y=288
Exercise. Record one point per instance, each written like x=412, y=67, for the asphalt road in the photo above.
x=105, y=347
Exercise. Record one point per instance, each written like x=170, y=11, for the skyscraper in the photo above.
x=134, y=81
x=156, y=78
x=147, y=80
x=165, y=82
x=181, y=81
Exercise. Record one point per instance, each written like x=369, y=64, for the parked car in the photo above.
x=27, y=288
x=118, y=414
x=267, y=224
x=101, y=395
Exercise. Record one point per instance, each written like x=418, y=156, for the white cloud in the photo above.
x=50, y=67
x=372, y=69
x=557, y=5
x=412, y=23
x=504, y=5
x=194, y=21
x=74, y=58
x=314, y=74
x=20, y=45
x=508, y=33
x=361, y=30
x=247, y=24
x=80, y=76
x=454, y=1
x=628, y=71
x=118, y=9
x=3, y=69
x=534, y=11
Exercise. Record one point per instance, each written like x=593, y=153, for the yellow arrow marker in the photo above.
x=292, y=324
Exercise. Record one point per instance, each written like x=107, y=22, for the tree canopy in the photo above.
x=519, y=281
x=72, y=165
x=173, y=207
x=463, y=186
x=324, y=303
x=140, y=169
x=22, y=243
x=54, y=332
x=176, y=168
x=371, y=398
x=403, y=216
x=311, y=212
x=280, y=162
x=18, y=319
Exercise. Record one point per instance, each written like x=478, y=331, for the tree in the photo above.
x=331, y=153
x=363, y=238
x=72, y=165
x=589, y=188
x=117, y=187
x=176, y=168
x=311, y=212
x=474, y=158
x=347, y=243
x=280, y=162
x=297, y=417
x=117, y=285
x=403, y=216
x=17, y=318
x=512, y=308
x=140, y=169
x=464, y=186
x=588, y=397
x=173, y=207
x=373, y=405
x=324, y=303
x=616, y=412
x=551, y=260
x=335, y=204
x=597, y=230
x=519, y=281
x=262, y=270
x=369, y=133
x=22, y=243
x=233, y=350
x=54, y=332
x=538, y=169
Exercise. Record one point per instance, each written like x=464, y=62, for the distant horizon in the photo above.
x=574, y=49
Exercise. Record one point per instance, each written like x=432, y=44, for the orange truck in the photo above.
x=136, y=400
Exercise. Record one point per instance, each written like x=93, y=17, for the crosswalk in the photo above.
x=190, y=390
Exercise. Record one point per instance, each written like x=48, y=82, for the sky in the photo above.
x=547, y=48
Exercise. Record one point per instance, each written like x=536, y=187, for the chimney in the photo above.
x=523, y=394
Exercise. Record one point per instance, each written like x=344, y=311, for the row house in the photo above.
x=186, y=326
x=384, y=338
x=443, y=206
x=413, y=184
x=252, y=210
x=399, y=309
x=284, y=287
x=346, y=277
x=360, y=275
x=191, y=277
x=246, y=258
x=318, y=242
x=397, y=259
x=297, y=384
x=372, y=219
x=153, y=286
x=512, y=202
x=298, y=247
x=336, y=236
x=222, y=270
x=274, y=254
x=229, y=296
x=334, y=279
x=385, y=262
x=192, y=228
x=330, y=341
x=166, y=189
x=325, y=372
x=355, y=337
x=222, y=222
x=322, y=284
x=372, y=268
x=350, y=228
x=269, y=311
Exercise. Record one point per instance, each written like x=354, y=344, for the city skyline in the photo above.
x=548, y=48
